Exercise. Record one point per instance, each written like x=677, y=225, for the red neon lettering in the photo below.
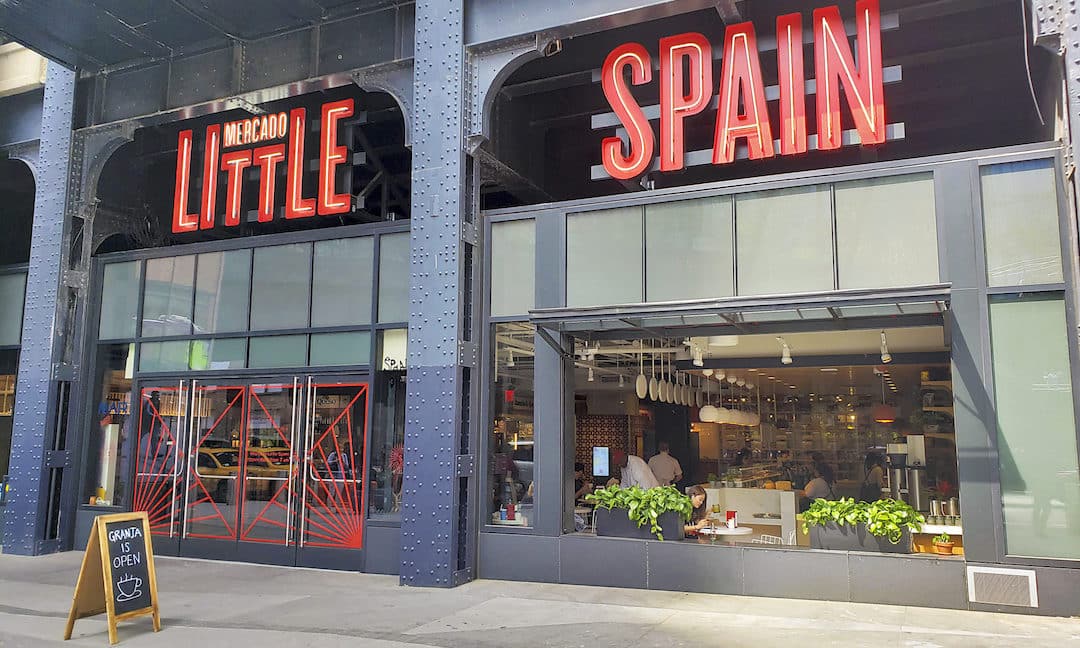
x=234, y=164
x=296, y=206
x=742, y=80
x=639, y=132
x=210, y=176
x=331, y=156
x=674, y=104
x=267, y=158
x=835, y=66
x=789, y=62
x=182, y=220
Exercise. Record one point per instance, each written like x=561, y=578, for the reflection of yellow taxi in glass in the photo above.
x=268, y=462
x=216, y=466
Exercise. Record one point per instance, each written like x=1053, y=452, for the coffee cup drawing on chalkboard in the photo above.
x=129, y=588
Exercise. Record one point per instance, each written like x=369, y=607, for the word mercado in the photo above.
x=291, y=127
x=742, y=113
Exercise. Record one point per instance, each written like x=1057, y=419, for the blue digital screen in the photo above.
x=600, y=461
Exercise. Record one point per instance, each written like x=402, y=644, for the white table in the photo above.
x=724, y=533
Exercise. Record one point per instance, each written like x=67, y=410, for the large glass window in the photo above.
x=886, y=232
x=394, y=277
x=12, y=295
x=222, y=291
x=119, y=300
x=603, y=257
x=165, y=356
x=511, y=486
x=1020, y=213
x=688, y=250
x=388, y=427
x=112, y=427
x=167, y=296
x=784, y=241
x=330, y=349
x=1037, y=450
x=281, y=287
x=513, y=267
x=278, y=351
x=341, y=293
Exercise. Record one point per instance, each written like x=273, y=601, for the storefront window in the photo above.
x=341, y=292
x=784, y=241
x=278, y=351
x=119, y=300
x=12, y=295
x=330, y=349
x=282, y=276
x=111, y=428
x=228, y=353
x=394, y=277
x=688, y=250
x=603, y=257
x=164, y=356
x=167, y=296
x=222, y=291
x=886, y=232
x=1037, y=450
x=388, y=427
x=1020, y=213
x=513, y=267
x=511, y=486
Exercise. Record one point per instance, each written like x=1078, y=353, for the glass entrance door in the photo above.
x=267, y=471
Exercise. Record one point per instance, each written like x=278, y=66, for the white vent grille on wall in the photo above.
x=1000, y=586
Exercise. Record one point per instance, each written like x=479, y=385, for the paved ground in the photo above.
x=210, y=604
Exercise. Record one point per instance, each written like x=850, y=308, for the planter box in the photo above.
x=849, y=538
x=614, y=523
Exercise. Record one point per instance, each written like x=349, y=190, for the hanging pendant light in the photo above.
x=708, y=413
x=723, y=415
x=884, y=413
x=641, y=385
x=654, y=385
x=697, y=395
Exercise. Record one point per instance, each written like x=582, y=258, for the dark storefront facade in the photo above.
x=333, y=290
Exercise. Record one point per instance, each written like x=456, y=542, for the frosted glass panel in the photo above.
x=886, y=232
x=394, y=278
x=1040, y=491
x=278, y=351
x=1020, y=213
x=281, y=287
x=12, y=296
x=222, y=291
x=167, y=296
x=119, y=300
x=164, y=356
x=329, y=349
x=603, y=257
x=341, y=292
x=784, y=241
x=513, y=267
x=688, y=250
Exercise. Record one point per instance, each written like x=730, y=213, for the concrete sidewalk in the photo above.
x=210, y=604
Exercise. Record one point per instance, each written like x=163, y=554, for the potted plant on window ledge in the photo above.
x=847, y=525
x=639, y=513
x=943, y=544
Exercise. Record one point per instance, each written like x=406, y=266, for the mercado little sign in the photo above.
x=686, y=89
x=117, y=575
x=292, y=128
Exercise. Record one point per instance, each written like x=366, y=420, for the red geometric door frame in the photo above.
x=159, y=453
x=282, y=499
x=199, y=503
x=333, y=499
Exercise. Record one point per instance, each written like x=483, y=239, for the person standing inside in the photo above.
x=664, y=467
x=634, y=470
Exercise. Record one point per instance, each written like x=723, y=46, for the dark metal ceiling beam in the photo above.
x=729, y=11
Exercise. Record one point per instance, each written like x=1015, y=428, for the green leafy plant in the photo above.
x=885, y=518
x=712, y=477
x=943, y=538
x=644, y=506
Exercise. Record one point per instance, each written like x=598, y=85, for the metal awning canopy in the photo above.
x=97, y=34
x=833, y=310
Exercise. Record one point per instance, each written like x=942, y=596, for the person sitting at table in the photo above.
x=582, y=486
x=699, y=519
x=821, y=486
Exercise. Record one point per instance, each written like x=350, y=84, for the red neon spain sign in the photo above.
x=742, y=116
x=292, y=128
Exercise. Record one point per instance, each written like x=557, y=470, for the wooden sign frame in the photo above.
x=94, y=589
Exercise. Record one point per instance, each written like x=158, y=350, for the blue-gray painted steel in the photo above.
x=25, y=519
x=431, y=507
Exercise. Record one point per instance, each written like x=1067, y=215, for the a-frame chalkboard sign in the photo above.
x=117, y=575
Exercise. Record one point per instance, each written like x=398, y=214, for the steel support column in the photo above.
x=437, y=529
x=37, y=461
